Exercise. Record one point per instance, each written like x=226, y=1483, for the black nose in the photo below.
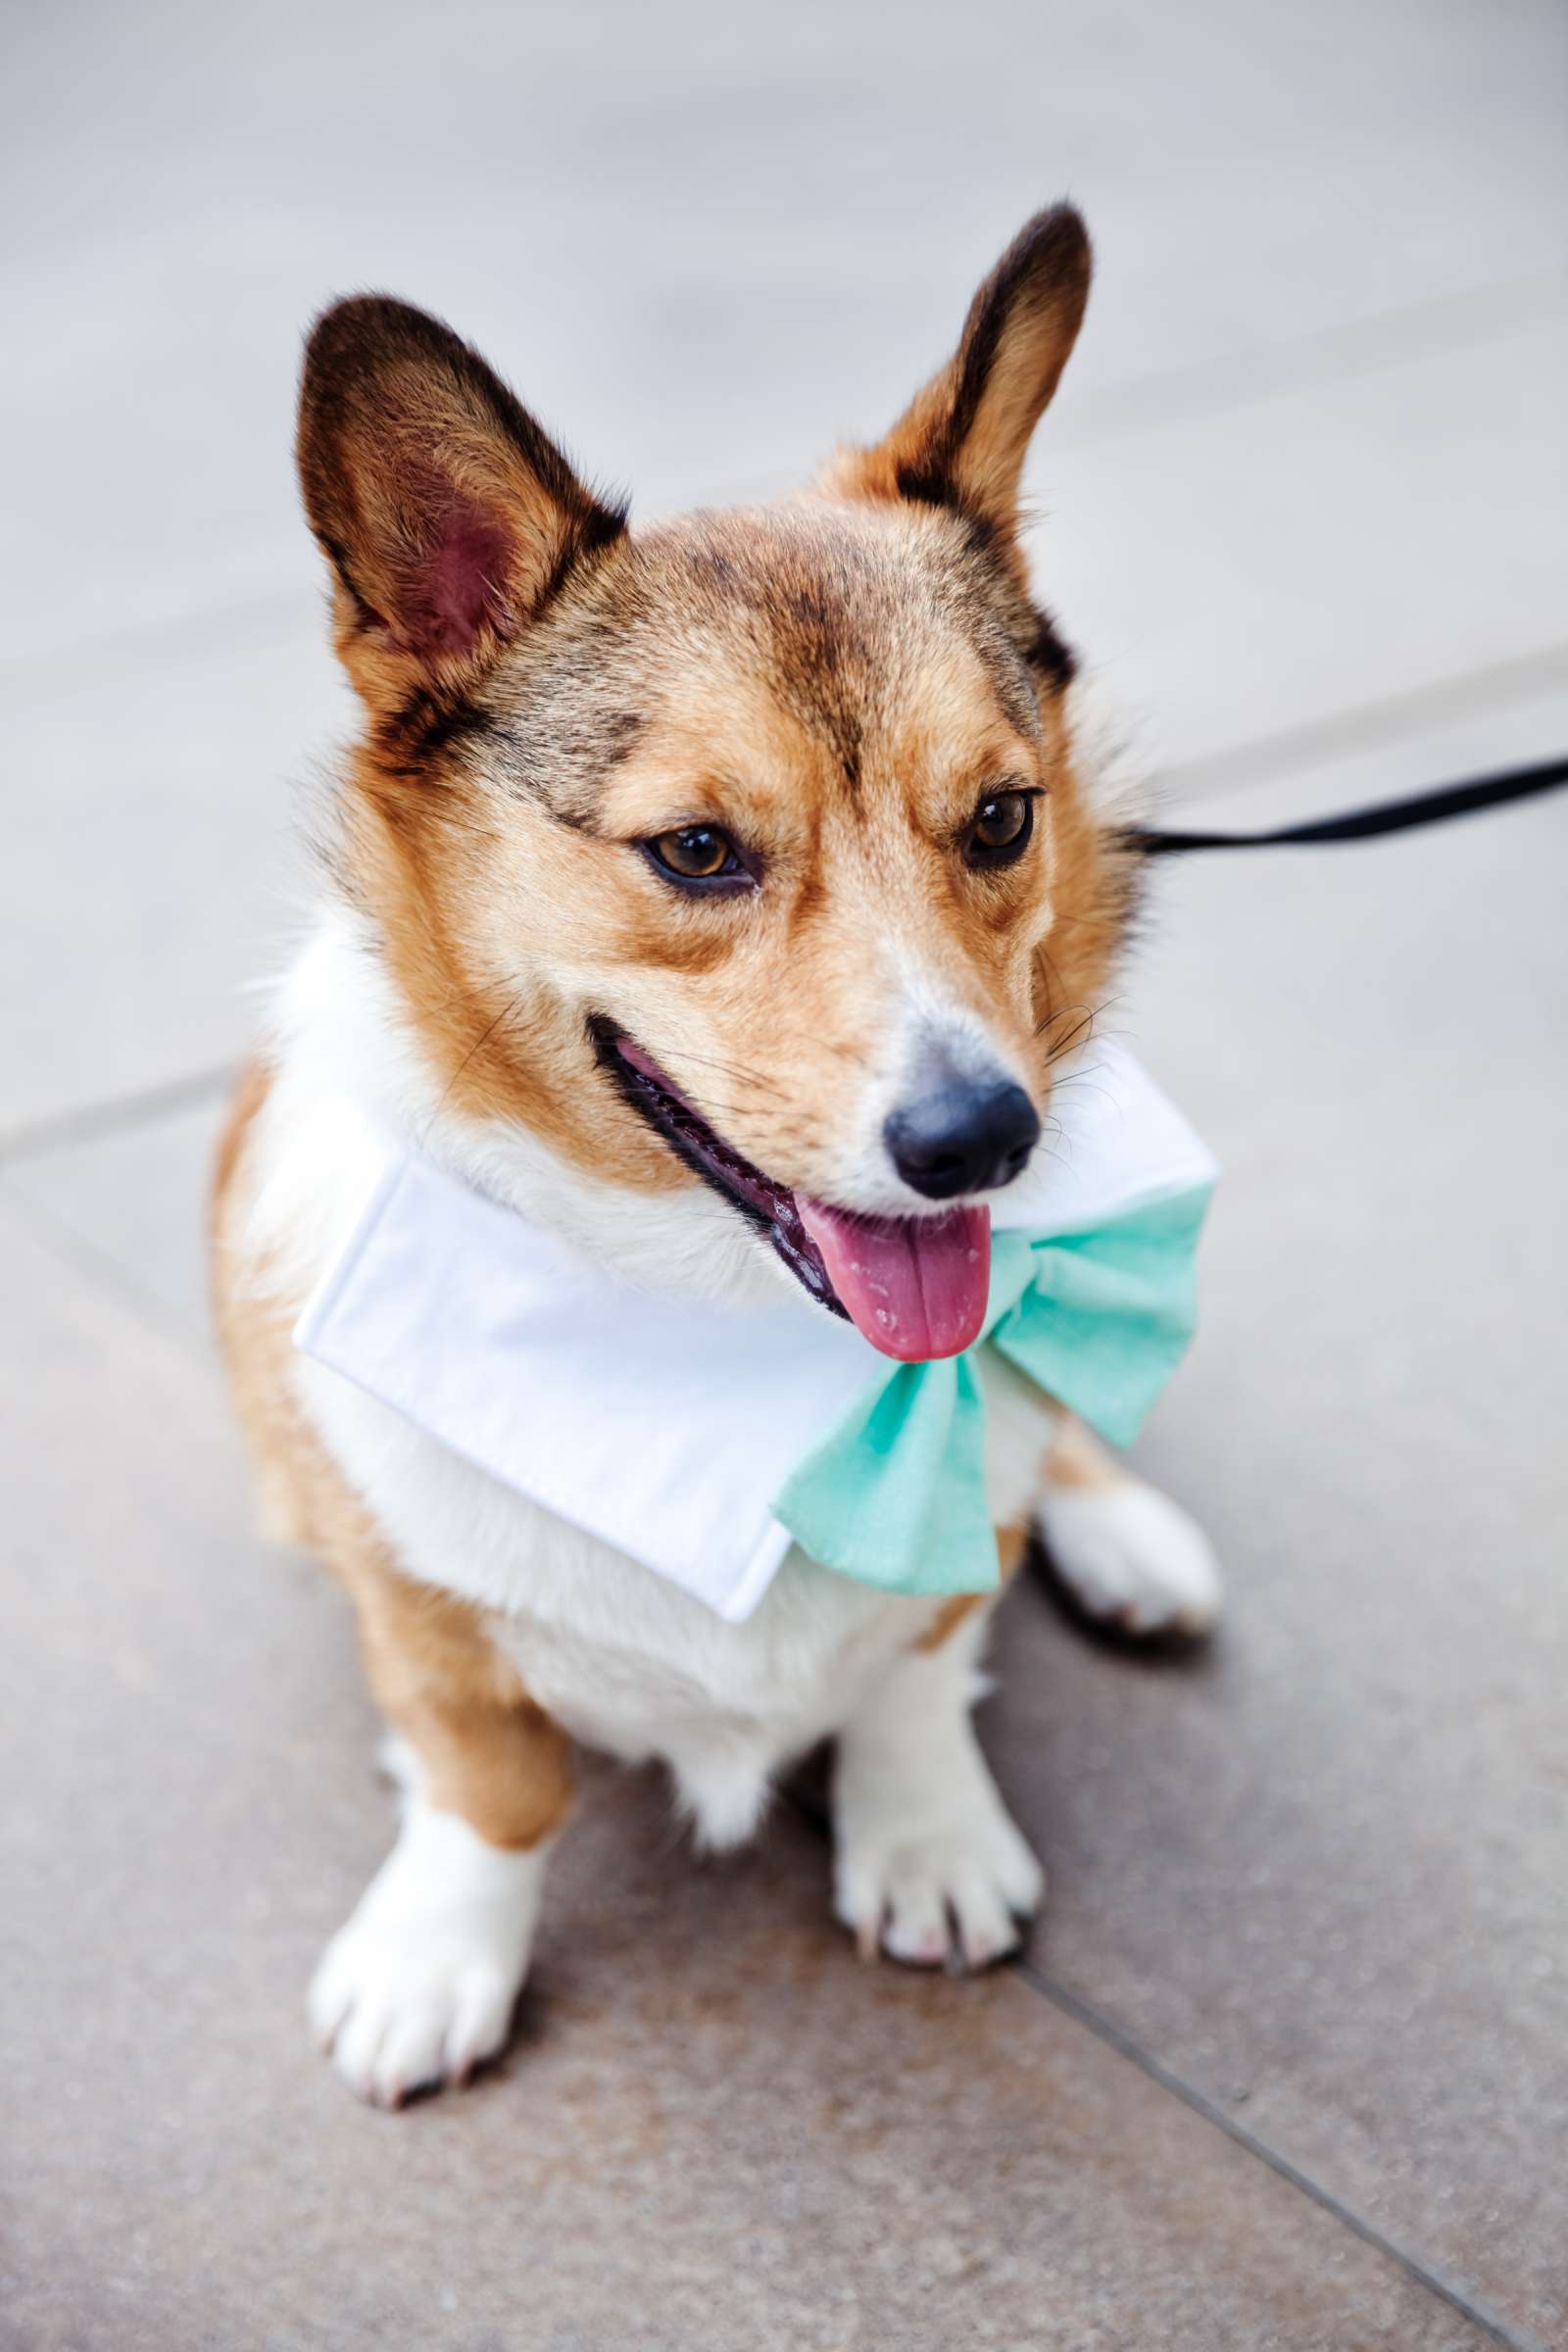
x=962, y=1137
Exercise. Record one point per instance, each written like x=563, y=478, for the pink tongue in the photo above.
x=915, y=1285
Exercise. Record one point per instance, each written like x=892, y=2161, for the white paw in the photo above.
x=418, y=1986
x=928, y=1880
x=1128, y=1555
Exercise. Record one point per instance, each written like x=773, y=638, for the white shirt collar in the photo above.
x=663, y=1424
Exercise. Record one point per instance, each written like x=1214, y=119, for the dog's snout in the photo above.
x=962, y=1136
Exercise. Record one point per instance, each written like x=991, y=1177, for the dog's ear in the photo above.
x=962, y=441
x=449, y=517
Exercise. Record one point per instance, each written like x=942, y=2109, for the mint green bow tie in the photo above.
x=896, y=1496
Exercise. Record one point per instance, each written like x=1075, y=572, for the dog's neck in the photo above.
x=353, y=1077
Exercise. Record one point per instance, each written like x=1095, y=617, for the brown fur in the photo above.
x=836, y=681
x=488, y=1752
x=448, y=516
x=1012, y=1542
x=947, y=1621
x=1077, y=1458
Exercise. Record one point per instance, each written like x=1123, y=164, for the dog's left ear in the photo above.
x=962, y=441
x=448, y=516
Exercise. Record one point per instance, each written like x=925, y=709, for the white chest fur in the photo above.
x=623, y=1659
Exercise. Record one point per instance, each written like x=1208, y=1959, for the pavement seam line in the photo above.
x=89, y=1122
x=1129, y=404
x=1115, y=2038
x=1343, y=734
x=1361, y=727
x=94, y=1267
x=1342, y=353
x=100, y=1270
x=817, y=1818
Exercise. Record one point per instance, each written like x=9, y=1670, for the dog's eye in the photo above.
x=1000, y=828
x=697, y=853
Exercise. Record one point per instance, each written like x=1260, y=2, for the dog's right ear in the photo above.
x=449, y=517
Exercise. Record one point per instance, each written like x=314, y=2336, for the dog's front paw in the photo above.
x=932, y=1881
x=406, y=2009
x=1131, y=1557
x=417, y=1989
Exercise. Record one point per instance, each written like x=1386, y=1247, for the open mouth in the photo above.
x=914, y=1287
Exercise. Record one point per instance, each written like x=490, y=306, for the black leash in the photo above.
x=1365, y=824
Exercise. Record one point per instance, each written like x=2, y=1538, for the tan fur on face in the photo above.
x=488, y=1754
x=836, y=682
x=835, y=686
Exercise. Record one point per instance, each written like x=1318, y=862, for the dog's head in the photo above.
x=744, y=852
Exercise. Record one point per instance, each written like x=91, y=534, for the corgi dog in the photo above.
x=719, y=900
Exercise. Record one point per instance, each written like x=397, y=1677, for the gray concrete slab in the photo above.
x=150, y=880
x=700, y=241
x=1250, y=571
x=128, y=1206
x=1320, y=1873
x=767, y=238
x=718, y=2129
x=1302, y=505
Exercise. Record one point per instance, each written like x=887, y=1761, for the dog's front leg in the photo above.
x=921, y=1836
x=1127, y=1553
x=418, y=1986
